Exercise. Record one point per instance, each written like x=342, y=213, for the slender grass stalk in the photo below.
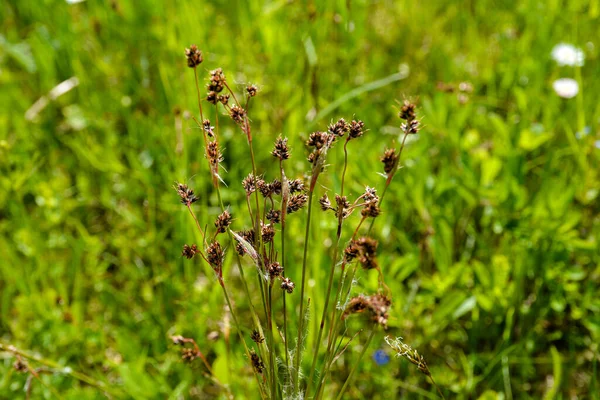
x=334, y=320
x=302, y=289
x=331, y=276
x=356, y=364
x=388, y=181
x=198, y=93
x=283, y=263
x=238, y=328
x=271, y=342
x=437, y=387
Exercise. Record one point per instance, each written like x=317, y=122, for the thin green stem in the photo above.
x=323, y=316
x=389, y=178
x=356, y=364
x=302, y=289
x=238, y=328
x=283, y=212
x=255, y=318
x=271, y=343
x=436, y=386
x=330, y=283
x=198, y=94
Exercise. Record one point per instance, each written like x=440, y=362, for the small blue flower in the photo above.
x=381, y=357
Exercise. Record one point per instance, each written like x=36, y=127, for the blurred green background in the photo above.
x=489, y=237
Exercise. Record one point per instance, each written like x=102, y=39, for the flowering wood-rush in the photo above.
x=276, y=312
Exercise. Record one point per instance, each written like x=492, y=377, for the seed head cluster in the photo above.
x=339, y=129
x=193, y=56
x=252, y=90
x=297, y=201
x=189, y=251
x=237, y=114
x=223, y=221
x=256, y=337
x=186, y=194
x=357, y=129
x=377, y=306
x=274, y=216
x=281, y=149
x=210, y=130
x=287, y=285
x=257, y=363
x=389, y=160
x=215, y=255
x=363, y=250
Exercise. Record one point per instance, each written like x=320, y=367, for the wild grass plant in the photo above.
x=280, y=322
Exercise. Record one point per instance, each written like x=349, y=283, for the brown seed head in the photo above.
x=380, y=304
x=257, y=363
x=249, y=184
x=194, y=56
x=215, y=255
x=207, y=128
x=264, y=188
x=389, y=160
x=368, y=244
x=186, y=194
x=407, y=111
x=287, y=285
x=213, y=153
x=212, y=97
x=411, y=127
x=317, y=140
x=275, y=270
x=274, y=216
x=223, y=221
x=20, y=365
x=370, y=194
x=342, y=202
x=356, y=305
x=356, y=129
x=268, y=233
x=252, y=90
x=189, y=354
x=296, y=186
x=217, y=80
x=325, y=203
x=281, y=149
x=189, y=251
x=237, y=114
x=351, y=251
x=339, y=129
x=364, y=249
x=223, y=98
x=296, y=202
x=370, y=209
x=257, y=337
x=276, y=187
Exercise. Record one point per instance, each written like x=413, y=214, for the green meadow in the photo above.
x=488, y=236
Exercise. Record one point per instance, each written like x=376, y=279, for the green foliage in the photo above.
x=489, y=237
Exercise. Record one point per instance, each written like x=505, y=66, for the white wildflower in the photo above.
x=567, y=54
x=566, y=87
